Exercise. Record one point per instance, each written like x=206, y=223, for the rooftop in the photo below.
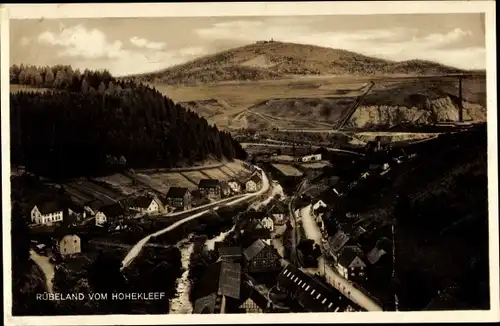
x=177, y=192
x=208, y=183
x=254, y=249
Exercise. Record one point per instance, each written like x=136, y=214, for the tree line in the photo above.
x=76, y=132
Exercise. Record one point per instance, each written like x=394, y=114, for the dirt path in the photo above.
x=47, y=268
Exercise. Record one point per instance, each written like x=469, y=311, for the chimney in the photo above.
x=460, y=104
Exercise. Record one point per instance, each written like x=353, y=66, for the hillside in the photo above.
x=119, y=126
x=436, y=200
x=276, y=60
x=421, y=101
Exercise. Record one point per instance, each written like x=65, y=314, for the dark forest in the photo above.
x=92, y=124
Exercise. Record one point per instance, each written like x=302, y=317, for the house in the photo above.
x=350, y=264
x=261, y=258
x=337, y=242
x=76, y=210
x=109, y=213
x=209, y=187
x=235, y=186
x=254, y=230
x=277, y=212
x=232, y=254
x=309, y=292
x=92, y=207
x=69, y=245
x=254, y=183
x=46, y=213
x=319, y=204
x=179, y=197
x=268, y=223
x=254, y=297
x=218, y=289
x=310, y=158
x=146, y=205
x=225, y=189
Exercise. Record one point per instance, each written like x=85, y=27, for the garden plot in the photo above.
x=174, y=179
x=216, y=174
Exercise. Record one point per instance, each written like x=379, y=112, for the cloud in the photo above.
x=396, y=44
x=90, y=48
x=77, y=41
x=143, y=43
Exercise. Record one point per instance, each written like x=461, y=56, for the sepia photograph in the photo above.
x=259, y=163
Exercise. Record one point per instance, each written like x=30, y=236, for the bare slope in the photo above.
x=275, y=60
x=424, y=101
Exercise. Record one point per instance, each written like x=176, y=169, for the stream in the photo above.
x=181, y=304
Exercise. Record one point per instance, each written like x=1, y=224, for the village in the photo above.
x=285, y=252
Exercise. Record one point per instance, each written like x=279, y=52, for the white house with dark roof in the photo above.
x=146, y=205
x=254, y=183
x=235, y=186
x=350, y=264
x=267, y=223
x=46, y=213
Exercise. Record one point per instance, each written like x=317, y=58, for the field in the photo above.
x=115, y=187
x=287, y=170
x=176, y=179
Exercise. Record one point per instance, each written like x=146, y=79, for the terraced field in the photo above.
x=172, y=179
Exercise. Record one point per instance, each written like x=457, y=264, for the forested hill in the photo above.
x=90, y=130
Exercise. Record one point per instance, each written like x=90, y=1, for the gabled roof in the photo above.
x=50, y=207
x=95, y=204
x=221, y=278
x=177, y=192
x=113, y=210
x=224, y=185
x=205, y=304
x=349, y=254
x=278, y=208
x=229, y=279
x=338, y=241
x=374, y=255
x=255, y=178
x=229, y=252
x=254, y=249
x=208, y=183
x=142, y=201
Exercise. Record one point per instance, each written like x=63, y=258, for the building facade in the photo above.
x=209, y=188
x=69, y=245
x=261, y=258
x=254, y=183
x=179, y=197
x=47, y=213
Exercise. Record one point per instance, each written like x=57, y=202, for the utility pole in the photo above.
x=460, y=104
x=396, y=301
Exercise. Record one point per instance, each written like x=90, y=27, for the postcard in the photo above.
x=249, y=162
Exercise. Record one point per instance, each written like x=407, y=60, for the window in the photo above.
x=318, y=296
x=300, y=282
x=323, y=302
x=312, y=292
x=307, y=288
x=330, y=305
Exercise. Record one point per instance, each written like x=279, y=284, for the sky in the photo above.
x=137, y=45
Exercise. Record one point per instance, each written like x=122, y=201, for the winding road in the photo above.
x=333, y=278
x=137, y=248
